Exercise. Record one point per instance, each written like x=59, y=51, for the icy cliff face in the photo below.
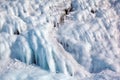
x=59, y=40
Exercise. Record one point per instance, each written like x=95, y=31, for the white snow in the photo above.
x=59, y=40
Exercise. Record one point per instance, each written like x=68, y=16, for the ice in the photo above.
x=59, y=40
x=5, y=49
x=105, y=75
x=92, y=35
x=16, y=70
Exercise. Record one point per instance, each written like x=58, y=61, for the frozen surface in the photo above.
x=16, y=70
x=59, y=40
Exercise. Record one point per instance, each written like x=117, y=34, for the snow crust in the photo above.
x=59, y=40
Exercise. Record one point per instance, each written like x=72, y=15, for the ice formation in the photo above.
x=59, y=40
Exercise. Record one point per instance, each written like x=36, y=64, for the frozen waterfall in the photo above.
x=59, y=40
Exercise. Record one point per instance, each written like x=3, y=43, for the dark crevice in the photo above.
x=65, y=45
x=62, y=18
x=16, y=32
x=66, y=12
x=33, y=57
x=55, y=24
x=93, y=11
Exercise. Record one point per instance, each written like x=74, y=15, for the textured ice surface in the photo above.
x=94, y=35
x=16, y=70
x=59, y=40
